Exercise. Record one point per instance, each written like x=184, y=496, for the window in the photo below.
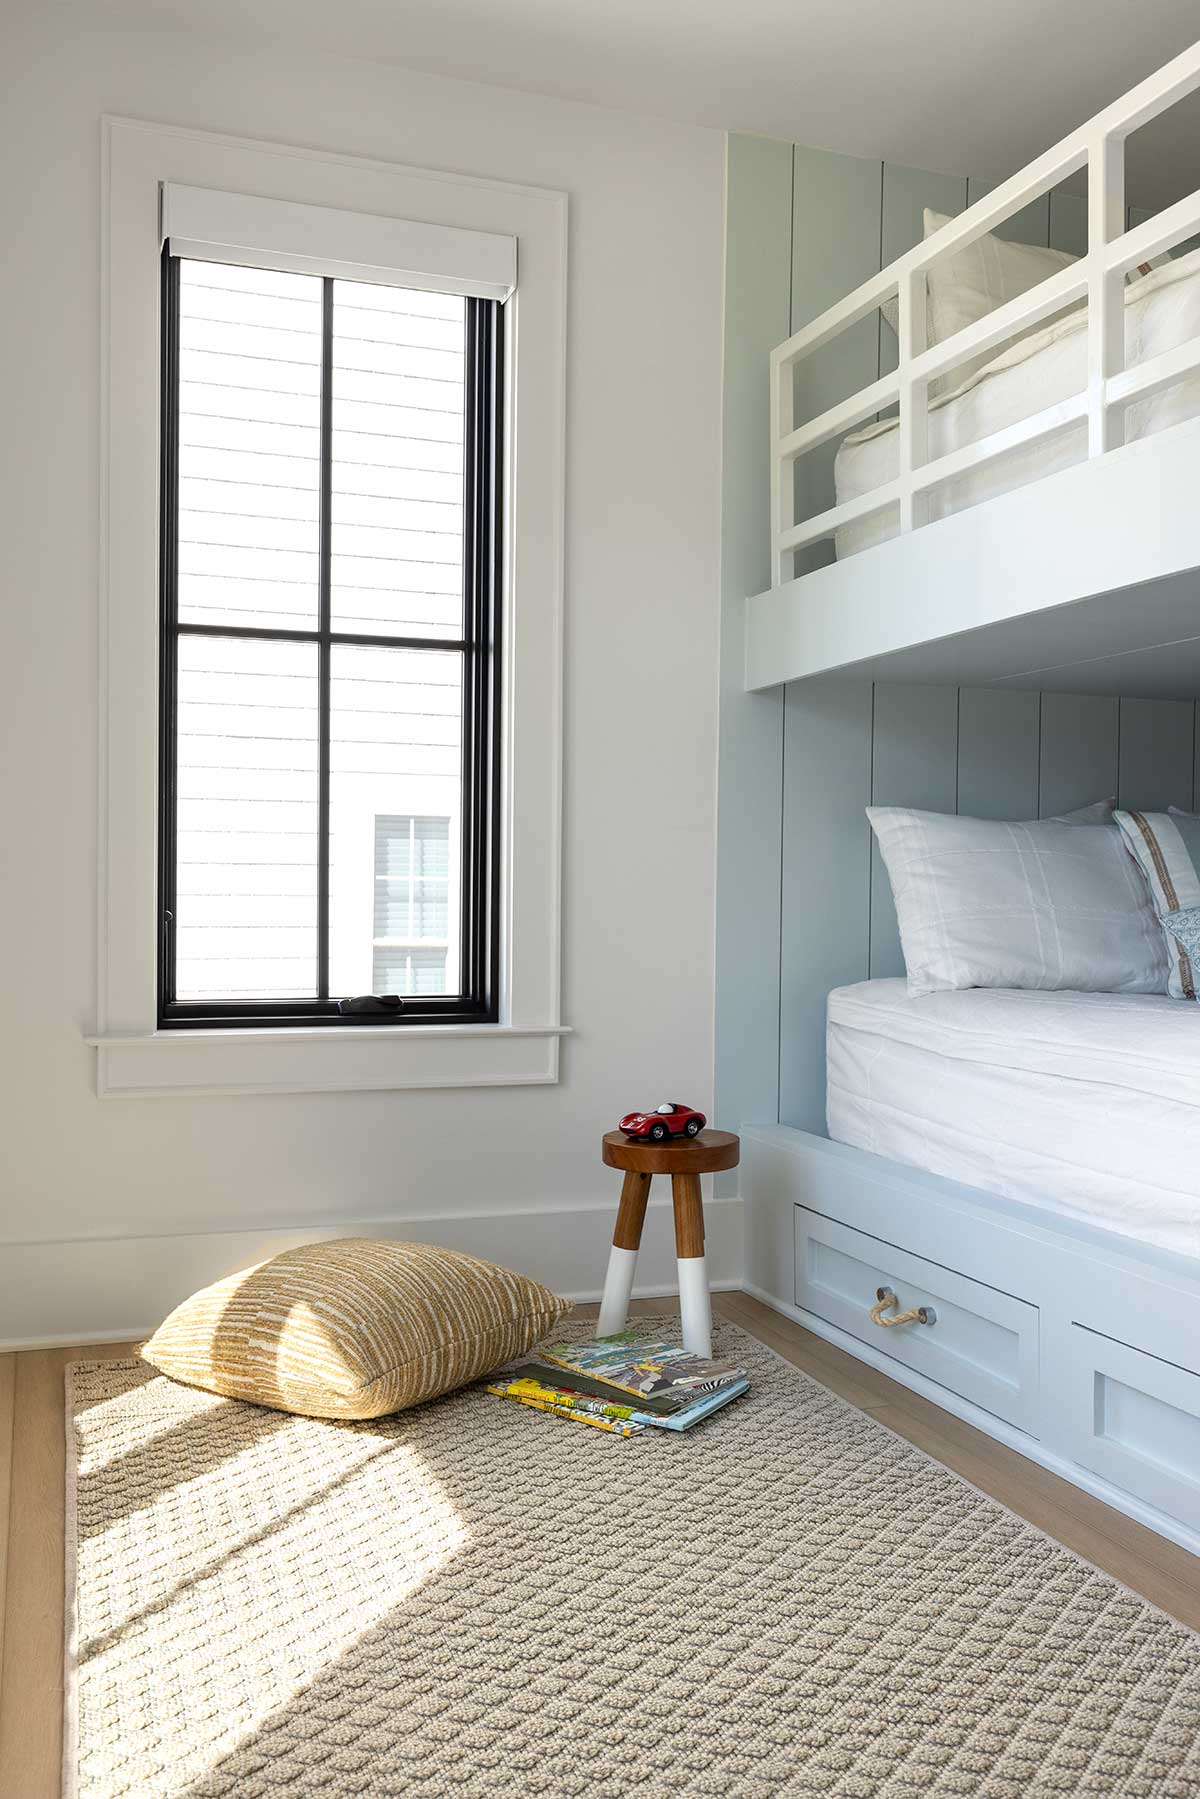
x=330, y=582
x=204, y=198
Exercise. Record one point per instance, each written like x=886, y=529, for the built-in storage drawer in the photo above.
x=1132, y=1418
x=973, y=1339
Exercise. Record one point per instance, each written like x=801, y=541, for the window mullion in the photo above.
x=169, y=626
x=324, y=647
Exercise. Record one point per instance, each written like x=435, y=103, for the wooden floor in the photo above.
x=31, y=1517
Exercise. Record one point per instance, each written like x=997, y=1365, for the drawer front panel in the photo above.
x=983, y=1344
x=1135, y=1420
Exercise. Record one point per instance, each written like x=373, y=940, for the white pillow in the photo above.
x=1046, y=904
x=969, y=283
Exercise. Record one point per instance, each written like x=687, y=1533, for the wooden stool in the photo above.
x=685, y=1160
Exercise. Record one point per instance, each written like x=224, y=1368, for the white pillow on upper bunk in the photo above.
x=965, y=285
x=968, y=283
x=1054, y=903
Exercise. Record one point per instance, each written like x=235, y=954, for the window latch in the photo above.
x=371, y=1005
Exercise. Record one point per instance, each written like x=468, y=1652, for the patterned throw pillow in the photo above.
x=1185, y=928
x=353, y=1328
x=1166, y=845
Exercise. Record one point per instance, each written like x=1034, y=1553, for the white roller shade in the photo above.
x=210, y=226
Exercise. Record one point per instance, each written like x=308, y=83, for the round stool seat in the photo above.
x=707, y=1153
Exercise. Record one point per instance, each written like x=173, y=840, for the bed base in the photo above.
x=1078, y=1348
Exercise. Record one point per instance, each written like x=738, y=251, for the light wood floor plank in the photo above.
x=8, y=1376
x=31, y=1696
x=31, y=1685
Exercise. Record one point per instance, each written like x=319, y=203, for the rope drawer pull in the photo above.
x=884, y=1297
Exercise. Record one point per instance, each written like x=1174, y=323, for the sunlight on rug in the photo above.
x=473, y=1599
x=240, y=1552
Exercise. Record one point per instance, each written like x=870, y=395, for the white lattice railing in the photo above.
x=1098, y=277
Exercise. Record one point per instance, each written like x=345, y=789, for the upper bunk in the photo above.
x=1016, y=499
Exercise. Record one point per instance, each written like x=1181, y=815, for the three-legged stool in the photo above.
x=685, y=1160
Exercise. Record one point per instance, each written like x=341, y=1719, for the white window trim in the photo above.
x=134, y=1058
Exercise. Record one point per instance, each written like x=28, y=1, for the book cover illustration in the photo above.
x=651, y=1371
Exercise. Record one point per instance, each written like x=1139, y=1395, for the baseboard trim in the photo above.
x=56, y=1294
x=139, y=1333
x=1115, y=1497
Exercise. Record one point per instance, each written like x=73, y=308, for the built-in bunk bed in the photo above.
x=1003, y=1207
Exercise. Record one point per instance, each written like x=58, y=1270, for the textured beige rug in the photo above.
x=474, y=1599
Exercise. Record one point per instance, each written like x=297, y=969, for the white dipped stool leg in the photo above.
x=695, y=1309
x=618, y=1285
x=622, y=1257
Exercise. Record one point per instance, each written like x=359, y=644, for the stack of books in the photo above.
x=625, y=1384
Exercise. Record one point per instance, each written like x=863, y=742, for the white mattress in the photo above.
x=1161, y=311
x=1085, y=1104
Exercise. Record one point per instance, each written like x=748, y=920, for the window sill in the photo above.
x=177, y=1064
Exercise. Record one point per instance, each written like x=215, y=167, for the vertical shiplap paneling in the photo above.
x=750, y=773
x=1079, y=751
x=826, y=878
x=1029, y=226
x=906, y=194
x=914, y=760
x=835, y=247
x=1158, y=754
x=1068, y=222
x=997, y=753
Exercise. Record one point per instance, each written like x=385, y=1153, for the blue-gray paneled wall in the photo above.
x=983, y=751
x=803, y=903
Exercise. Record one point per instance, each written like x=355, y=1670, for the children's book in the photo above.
x=548, y=1383
x=558, y=1401
x=662, y=1377
x=536, y=1367
x=517, y=1385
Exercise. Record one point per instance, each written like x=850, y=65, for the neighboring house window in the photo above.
x=412, y=905
x=330, y=581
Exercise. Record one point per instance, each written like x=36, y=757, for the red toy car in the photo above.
x=668, y=1120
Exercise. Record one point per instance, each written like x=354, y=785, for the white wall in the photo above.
x=641, y=650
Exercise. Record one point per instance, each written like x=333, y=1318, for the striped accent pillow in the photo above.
x=354, y=1328
x=1166, y=846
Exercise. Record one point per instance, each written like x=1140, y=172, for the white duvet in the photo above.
x=1085, y=1104
x=1161, y=311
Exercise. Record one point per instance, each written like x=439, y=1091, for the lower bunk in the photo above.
x=1075, y=1344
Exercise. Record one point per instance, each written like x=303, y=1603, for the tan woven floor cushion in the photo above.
x=353, y=1328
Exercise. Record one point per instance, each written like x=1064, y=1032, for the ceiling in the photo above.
x=938, y=84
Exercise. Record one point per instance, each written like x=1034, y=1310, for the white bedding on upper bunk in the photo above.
x=1161, y=310
x=1085, y=1104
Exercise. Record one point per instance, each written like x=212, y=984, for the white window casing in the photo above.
x=219, y=198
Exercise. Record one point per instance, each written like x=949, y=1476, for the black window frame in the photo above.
x=478, y=1001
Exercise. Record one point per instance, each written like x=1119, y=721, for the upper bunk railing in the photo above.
x=1097, y=277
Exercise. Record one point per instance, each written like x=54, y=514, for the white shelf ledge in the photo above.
x=327, y=1059
x=1087, y=581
